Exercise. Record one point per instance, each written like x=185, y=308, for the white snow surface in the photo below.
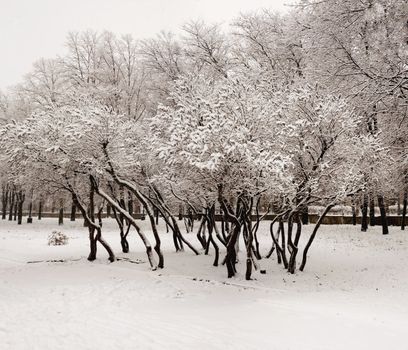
x=353, y=294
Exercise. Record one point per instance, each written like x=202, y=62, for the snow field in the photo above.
x=353, y=294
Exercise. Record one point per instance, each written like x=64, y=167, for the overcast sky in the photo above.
x=31, y=29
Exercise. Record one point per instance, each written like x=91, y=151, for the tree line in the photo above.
x=280, y=112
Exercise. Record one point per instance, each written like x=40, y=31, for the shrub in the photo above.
x=57, y=238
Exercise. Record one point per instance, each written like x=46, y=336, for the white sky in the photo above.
x=31, y=29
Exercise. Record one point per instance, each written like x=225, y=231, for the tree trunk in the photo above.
x=305, y=215
x=130, y=219
x=5, y=195
x=283, y=240
x=124, y=242
x=250, y=239
x=30, y=211
x=89, y=220
x=353, y=212
x=274, y=239
x=257, y=252
x=123, y=205
x=372, y=211
x=11, y=205
x=364, y=223
x=210, y=216
x=19, y=205
x=92, y=226
x=191, y=219
x=176, y=240
x=291, y=246
x=61, y=212
x=40, y=210
x=100, y=223
x=199, y=233
x=280, y=251
x=175, y=225
x=130, y=203
x=231, y=256
x=123, y=239
x=404, y=210
x=313, y=235
x=223, y=228
x=181, y=238
x=169, y=222
x=153, y=224
x=156, y=214
x=123, y=236
x=15, y=208
x=217, y=233
x=73, y=211
x=384, y=222
x=100, y=239
x=92, y=243
x=295, y=248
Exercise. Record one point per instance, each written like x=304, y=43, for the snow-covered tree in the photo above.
x=216, y=134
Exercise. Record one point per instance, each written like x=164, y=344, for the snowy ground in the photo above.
x=353, y=295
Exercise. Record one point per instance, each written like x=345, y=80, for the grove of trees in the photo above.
x=274, y=115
